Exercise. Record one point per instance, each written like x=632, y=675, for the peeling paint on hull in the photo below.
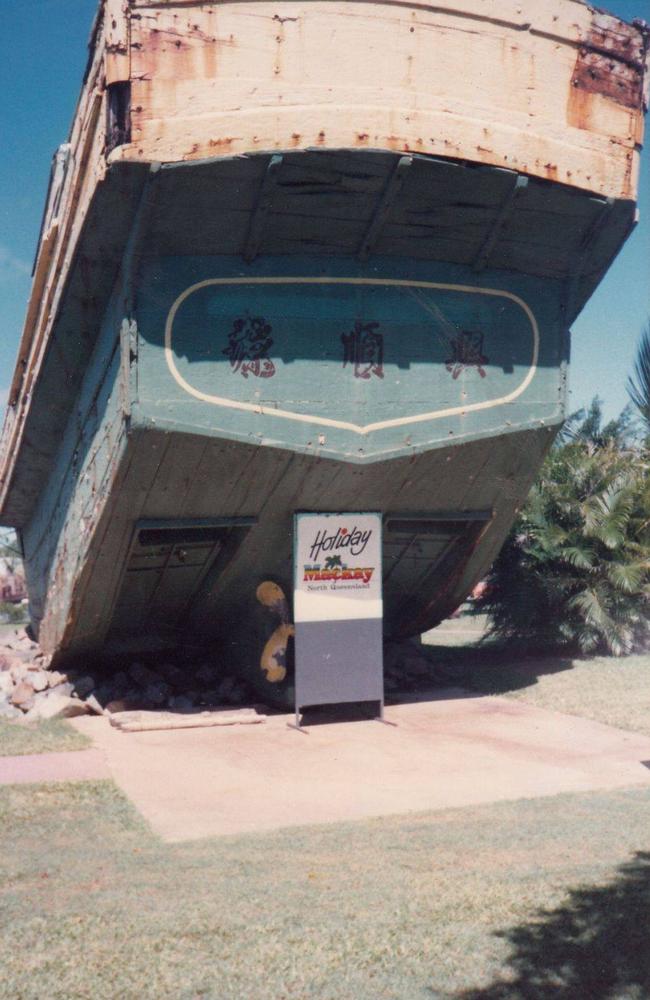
x=281, y=274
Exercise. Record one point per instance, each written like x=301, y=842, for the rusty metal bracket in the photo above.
x=260, y=212
x=384, y=206
x=502, y=216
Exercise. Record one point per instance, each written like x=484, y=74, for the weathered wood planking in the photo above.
x=58, y=537
x=428, y=138
x=548, y=210
x=182, y=476
x=475, y=473
x=558, y=78
x=216, y=79
x=117, y=24
x=94, y=601
x=59, y=243
x=35, y=425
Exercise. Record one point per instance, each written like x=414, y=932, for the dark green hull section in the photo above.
x=245, y=339
x=447, y=512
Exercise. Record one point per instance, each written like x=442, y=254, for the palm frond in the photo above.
x=575, y=571
x=607, y=514
x=590, y=604
x=638, y=385
x=627, y=577
x=580, y=556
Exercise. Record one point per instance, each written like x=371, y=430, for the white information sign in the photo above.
x=337, y=567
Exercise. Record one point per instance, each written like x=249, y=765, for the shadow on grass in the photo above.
x=596, y=946
x=491, y=668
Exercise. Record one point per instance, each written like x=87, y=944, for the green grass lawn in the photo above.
x=608, y=689
x=542, y=899
x=531, y=899
x=465, y=630
x=39, y=737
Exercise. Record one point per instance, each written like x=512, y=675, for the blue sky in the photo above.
x=42, y=58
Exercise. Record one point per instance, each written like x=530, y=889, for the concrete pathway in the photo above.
x=71, y=765
x=448, y=749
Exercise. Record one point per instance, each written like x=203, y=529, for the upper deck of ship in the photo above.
x=314, y=126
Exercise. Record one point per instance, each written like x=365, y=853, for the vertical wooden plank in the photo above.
x=117, y=35
x=174, y=476
x=100, y=578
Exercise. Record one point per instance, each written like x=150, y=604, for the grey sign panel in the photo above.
x=338, y=609
x=339, y=662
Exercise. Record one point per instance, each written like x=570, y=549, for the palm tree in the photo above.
x=587, y=425
x=575, y=572
x=638, y=385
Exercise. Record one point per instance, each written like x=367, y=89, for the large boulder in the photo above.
x=142, y=675
x=52, y=705
x=38, y=679
x=8, y=660
x=7, y=710
x=18, y=671
x=157, y=693
x=84, y=685
x=23, y=696
x=54, y=678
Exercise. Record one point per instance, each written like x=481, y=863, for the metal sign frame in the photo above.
x=338, y=609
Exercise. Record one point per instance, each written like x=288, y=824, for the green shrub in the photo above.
x=12, y=614
x=574, y=574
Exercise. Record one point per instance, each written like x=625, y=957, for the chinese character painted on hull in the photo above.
x=249, y=342
x=364, y=349
x=467, y=352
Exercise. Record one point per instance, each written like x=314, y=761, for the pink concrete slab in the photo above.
x=447, y=751
x=73, y=765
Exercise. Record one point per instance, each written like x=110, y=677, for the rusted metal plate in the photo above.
x=216, y=80
x=610, y=63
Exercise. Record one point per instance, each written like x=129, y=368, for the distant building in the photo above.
x=12, y=581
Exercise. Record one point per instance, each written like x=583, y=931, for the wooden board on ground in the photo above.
x=140, y=722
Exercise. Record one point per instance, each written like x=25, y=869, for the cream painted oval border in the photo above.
x=327, y=421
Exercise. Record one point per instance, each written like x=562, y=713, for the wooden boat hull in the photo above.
x=238, y=393
x=247, y=305
x=191, y=527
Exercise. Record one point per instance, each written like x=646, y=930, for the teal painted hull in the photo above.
x=432, y=557
x=240, y=372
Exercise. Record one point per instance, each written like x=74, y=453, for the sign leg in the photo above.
x=296, y=724
x=381, y=717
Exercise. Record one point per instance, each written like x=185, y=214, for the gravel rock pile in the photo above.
x=406, y=666
x=31, y=690
x=26, y=680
